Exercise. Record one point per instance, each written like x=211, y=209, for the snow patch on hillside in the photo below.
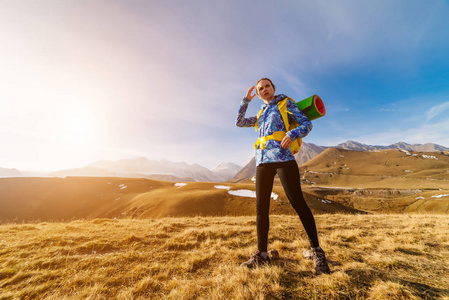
x=243, y=193
x=429, y=157
x=440, y=196
x=405, y=151
x=250, y=194
x=222, y=187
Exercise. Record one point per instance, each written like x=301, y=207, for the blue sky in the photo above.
x=82, y=81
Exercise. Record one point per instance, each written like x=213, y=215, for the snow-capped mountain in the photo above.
x=227, y=170
x=163, y=169
x=429, y=147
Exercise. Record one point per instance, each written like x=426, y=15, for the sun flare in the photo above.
x=79, y=128
x=75, y=134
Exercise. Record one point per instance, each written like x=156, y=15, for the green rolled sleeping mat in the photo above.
x=312, y=107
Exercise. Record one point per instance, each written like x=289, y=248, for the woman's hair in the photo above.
x=257, y=92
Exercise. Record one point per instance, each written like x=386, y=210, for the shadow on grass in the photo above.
x=423, y=290
x=367, y=278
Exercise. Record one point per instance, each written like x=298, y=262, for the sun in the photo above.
x=76, y=135
x=79, y=128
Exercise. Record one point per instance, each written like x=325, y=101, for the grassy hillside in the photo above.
x=371, y=257
x=383, y=181
x=50, y=199
x=335, y=181
x=383, y=169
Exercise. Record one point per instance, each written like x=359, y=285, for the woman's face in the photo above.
x=265, y=90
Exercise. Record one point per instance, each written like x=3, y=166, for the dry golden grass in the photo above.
x=371, y=257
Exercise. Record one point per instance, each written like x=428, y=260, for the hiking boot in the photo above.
x=256, y=261
x=274, y=254
x=319, y=259
x=308, y=253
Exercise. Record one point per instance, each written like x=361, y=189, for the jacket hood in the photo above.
x=276, y=99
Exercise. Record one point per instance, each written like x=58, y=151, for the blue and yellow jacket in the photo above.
x=271, y=121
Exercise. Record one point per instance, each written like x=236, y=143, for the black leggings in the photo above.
x=289, y=175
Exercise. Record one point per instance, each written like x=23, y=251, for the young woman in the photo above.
x=275, y=157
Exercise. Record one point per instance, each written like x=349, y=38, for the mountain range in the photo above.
x=10, y=173
x=429, y=147
x=337, y=180
x=309, y=151
x=151, y=169
x=226, y=171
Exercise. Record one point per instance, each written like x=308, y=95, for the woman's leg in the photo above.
x=289, y=176
x=264, y=185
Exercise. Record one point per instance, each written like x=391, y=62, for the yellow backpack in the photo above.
x=279, y=135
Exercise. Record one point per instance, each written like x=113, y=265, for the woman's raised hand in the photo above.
x=248, y=94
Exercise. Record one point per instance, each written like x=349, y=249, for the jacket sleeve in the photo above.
x=305, y=125
x=241, y=121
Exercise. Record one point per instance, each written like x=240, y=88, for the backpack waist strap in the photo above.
x=277, y=135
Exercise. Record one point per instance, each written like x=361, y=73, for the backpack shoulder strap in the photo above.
x=282, y=105
x=257, y=120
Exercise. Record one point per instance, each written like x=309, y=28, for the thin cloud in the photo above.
x=436, y=110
